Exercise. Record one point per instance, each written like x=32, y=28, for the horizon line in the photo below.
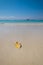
x=16, y=18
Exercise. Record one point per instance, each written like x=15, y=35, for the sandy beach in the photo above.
x=31, y=38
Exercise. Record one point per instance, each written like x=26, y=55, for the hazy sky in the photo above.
x=20, y=9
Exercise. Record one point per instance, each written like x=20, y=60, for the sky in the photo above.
x=21, y=9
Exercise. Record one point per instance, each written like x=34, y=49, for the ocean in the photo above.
x=21, y=21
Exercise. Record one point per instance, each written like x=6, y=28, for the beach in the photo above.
x=31, y=38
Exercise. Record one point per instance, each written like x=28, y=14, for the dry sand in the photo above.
x=31, y=37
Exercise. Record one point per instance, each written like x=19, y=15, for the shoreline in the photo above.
x=22, y=24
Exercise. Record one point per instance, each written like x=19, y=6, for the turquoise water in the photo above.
x=21, y=21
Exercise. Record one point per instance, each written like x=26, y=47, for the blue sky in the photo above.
x=21, y=9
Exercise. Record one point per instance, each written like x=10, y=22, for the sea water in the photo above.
x=21, y=21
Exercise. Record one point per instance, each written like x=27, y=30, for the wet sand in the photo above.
x=31, y=38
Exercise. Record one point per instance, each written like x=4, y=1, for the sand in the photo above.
x=31, y=38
